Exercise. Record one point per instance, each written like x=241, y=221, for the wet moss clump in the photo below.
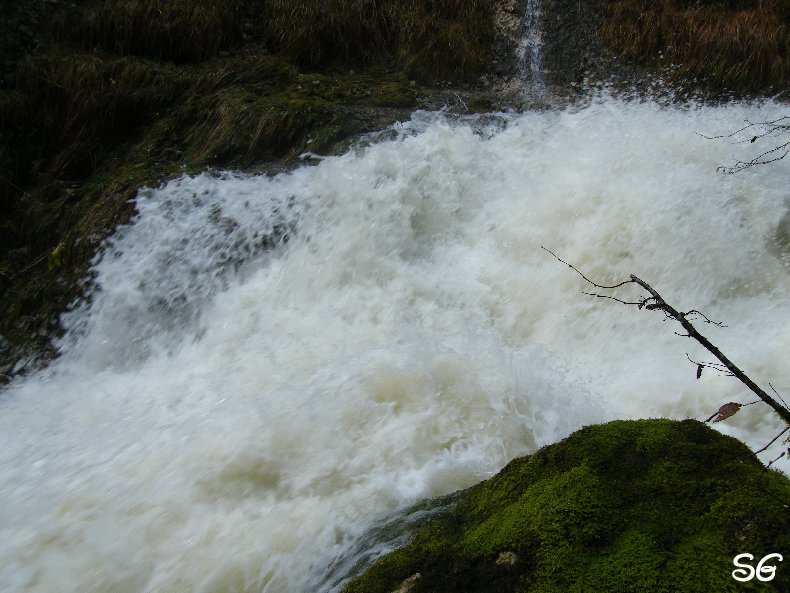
x=653, y=506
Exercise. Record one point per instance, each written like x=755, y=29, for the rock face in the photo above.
x=571, y=47
x=630, y=506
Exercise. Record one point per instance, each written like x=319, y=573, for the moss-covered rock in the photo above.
x=647, y=506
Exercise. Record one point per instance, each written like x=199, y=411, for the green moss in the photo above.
x=642, y=506
x=393, y=94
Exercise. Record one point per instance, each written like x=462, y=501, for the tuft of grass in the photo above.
x=245, y=124
x=325, y=31
x=436, y=44
x=444, y=39
x=731, y=46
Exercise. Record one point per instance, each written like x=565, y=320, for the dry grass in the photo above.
x=242, y=123
x=447, y=39
x=322, y=31
x=431, y=40
x=83, y=102
x=740, y=46
x=174, y=30
x=435, y=43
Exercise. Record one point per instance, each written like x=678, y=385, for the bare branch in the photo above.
x=773, y=440
x=720, y=368
x=770, y=463
x=606, y=296
x=765, y=129
x=784, y=149
x=773, y=126
x=582, y=275
x=777, y=395
x=705, y=318
x=656, y=302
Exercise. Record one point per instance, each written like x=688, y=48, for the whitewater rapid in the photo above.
x=234, y=409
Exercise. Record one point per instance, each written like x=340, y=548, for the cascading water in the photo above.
x=530, y=53
x=233, y=410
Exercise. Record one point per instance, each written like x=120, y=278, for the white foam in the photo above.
x=227, y=417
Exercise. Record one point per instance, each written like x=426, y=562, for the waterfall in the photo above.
x=530, y=52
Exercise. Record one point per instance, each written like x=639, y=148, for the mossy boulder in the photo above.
x=631, y=506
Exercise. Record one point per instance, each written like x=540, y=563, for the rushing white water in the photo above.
x=227, y=416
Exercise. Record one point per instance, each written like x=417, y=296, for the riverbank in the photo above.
x=91, y=110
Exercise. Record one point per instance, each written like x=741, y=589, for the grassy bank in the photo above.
x=119, y=95
x=741, y=46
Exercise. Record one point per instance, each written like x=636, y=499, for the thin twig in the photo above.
x=777, y=395
x=705, y=318
x=770, y=463
x=708, y=365
x=582, y=275
x=606, y=296
x=773, y=440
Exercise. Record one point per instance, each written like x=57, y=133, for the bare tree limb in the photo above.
x=777, y=395
x=773, y=440
x=655, y=302
x=765, y=129
x=582, y=275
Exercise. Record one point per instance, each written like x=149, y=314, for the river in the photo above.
x=232, y=410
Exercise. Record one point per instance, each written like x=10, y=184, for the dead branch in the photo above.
x=770, y=463
x=719, y=368
x=773, y=440
x=655, y=302
x=764, y=129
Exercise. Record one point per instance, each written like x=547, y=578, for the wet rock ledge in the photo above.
x=647, y=506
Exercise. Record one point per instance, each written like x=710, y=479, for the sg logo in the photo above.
x=745, y=572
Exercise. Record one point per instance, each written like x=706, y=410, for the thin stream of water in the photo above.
x=530, y=53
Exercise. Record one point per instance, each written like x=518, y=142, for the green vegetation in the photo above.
x=741, y=46
x=122, y=94
x=654, y=506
